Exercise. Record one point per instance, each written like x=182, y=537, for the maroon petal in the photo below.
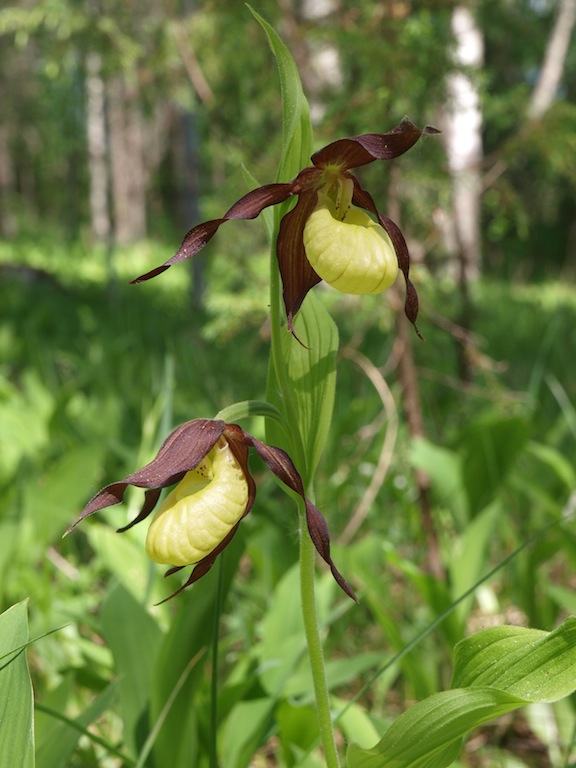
x=282, y=466
x=183, y=449
x=364, y=199
x=320, y=535
x=248, y=207
x=236, y=438
x=150, y=500
x=297, y=275
x=354, y=151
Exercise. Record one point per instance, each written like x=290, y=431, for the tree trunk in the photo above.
x=7, y=220
x=463, y=140
x=554, y=59
x=101, y=225
x=127, y=163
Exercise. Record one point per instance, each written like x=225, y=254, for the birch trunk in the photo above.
x=96, y=131
x=554, y=60
x=463, y=141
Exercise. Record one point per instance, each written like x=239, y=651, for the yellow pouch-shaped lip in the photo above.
x=199, y=513
x=353, y=255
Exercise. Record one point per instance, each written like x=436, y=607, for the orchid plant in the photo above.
x=208, y=459
x=327, y=235
x=334, y=232
x=324, y=237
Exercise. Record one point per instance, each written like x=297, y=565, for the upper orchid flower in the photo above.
x=324, y=237
x=208, y=459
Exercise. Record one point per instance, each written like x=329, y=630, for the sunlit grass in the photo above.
x=94, y=372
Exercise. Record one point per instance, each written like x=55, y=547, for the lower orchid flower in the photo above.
x=208, y=460
x=326, y=236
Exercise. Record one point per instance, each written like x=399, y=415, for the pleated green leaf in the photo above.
x=529, y=663
x=496, y=670
x=311, y=374
x=16, y=696
x=429, y=734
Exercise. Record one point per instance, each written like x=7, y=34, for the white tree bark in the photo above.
x=463, y=140
x=97, y=150
x=554, y=59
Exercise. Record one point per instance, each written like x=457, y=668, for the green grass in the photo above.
x=94, y=372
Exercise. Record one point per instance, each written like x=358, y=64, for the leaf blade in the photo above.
x=16, y=695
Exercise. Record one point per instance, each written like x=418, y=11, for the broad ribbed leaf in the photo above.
x=503, y=668
x=428, y=735
x=311, y=373
x=16, y=697
x=528, y=663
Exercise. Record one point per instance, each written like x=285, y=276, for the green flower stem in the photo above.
x=297, y=148
x=307, y=552
x=314, y=642
x=213, y=746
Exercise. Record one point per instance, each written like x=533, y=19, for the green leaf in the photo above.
x=503, y=668
x=187, y=639
x=297, y=726
x=61, y=733
x=558, y=463
x=244, y=731
x=281, y=652
x=468, y=557
x=489, y=448
x=302, y=384
x=563, y=596
x=16, y=696
x=355, y=722
x=311, y=377
x=428, y=735
x=444, y=467
x=297, y=131
x=49, y=519
x=528, y=663
x=25, y=413
x=125, y=557
x=134, y=639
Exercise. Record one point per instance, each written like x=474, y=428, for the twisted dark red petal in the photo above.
x=364, y=199
x=248, y=207
x=354, y=151
x=183, y=449
x=282, y=466
x=297, y=275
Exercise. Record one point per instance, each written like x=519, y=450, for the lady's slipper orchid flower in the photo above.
x=208, y=459
x=324, y=237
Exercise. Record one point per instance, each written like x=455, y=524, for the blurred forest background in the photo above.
x=122, y=124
